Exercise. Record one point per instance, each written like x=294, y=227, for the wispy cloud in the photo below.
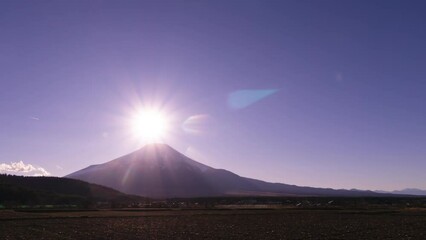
x=35, y=118
x=20, y=168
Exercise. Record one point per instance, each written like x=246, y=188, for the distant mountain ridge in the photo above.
x=407, y=191
x=159, y=171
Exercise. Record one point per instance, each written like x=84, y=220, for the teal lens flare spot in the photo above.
x=243, y=98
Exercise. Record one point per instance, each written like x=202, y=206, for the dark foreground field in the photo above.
x=216, y=224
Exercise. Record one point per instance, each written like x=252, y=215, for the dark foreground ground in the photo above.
x=216, y=224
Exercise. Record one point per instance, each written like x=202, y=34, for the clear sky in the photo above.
x=318, y=93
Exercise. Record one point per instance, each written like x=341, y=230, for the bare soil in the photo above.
x=215, y=224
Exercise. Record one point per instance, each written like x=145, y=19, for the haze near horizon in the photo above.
x=312, y=93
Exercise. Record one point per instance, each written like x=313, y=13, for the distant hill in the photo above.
x=20, y=190
x=407, y=191
x=159, y=171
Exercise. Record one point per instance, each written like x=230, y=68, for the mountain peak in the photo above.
x=153, y=150
x=156, y=145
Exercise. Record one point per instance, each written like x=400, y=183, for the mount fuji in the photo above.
x=159, y=171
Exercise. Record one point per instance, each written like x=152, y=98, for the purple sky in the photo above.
x=318, y=93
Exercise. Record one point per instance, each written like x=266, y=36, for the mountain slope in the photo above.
x=157, y=170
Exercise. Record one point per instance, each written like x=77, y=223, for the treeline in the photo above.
x=21, y=190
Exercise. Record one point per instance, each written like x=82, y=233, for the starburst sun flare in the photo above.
x=150, y=125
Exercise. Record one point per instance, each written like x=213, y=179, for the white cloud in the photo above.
x=20, y=168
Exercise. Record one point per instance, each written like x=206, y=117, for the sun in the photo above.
x=150, y=125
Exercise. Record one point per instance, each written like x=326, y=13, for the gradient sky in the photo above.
x=318, y=93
